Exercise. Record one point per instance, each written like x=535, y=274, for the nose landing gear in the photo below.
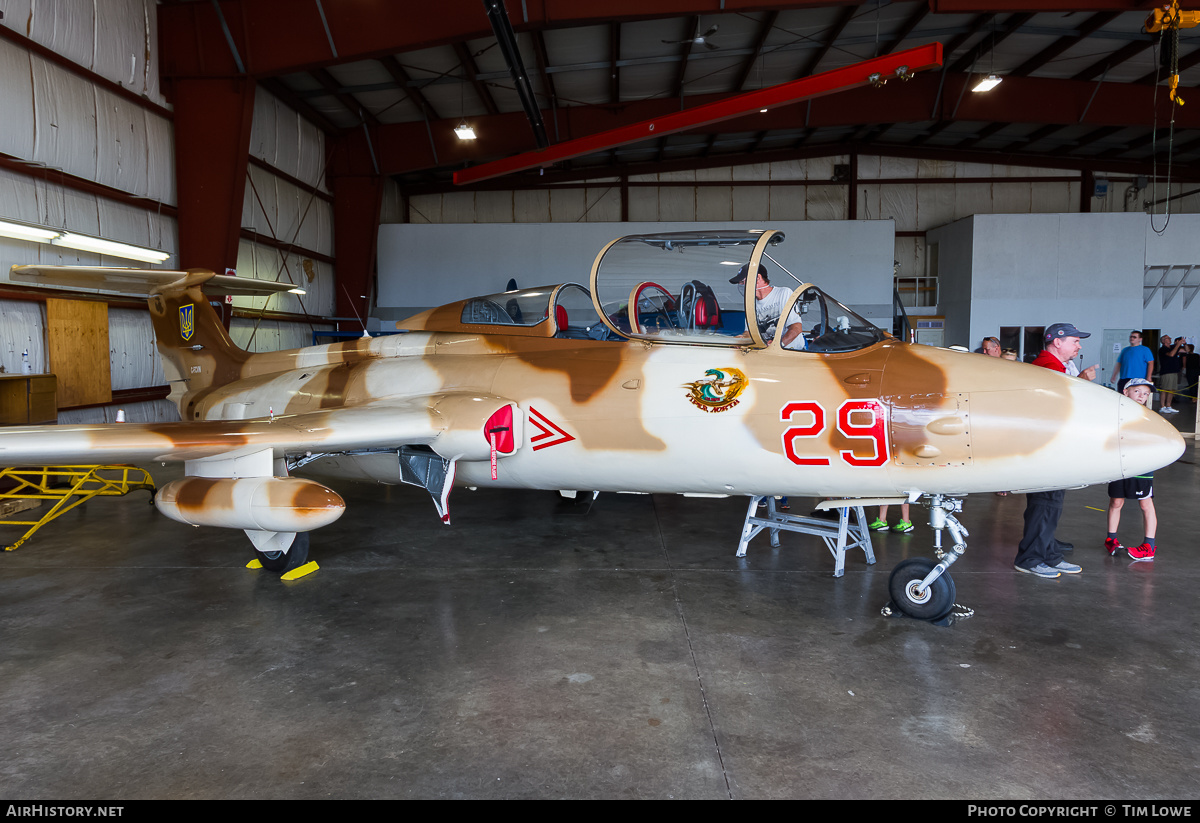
x=923, y=589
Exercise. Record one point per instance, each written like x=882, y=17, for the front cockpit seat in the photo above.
x=698, y=307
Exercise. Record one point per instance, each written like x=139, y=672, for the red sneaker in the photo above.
x=1142, y=552
x=1112, y=545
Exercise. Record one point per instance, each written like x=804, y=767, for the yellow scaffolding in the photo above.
x=62, y=483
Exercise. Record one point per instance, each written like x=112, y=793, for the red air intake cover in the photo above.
x=501, y=423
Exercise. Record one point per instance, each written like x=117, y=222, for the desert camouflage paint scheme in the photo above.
x=640, y=385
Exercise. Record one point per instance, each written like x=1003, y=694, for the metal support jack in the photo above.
x=63, y=483
x=838, y=536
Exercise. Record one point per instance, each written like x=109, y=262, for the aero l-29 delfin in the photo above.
x=650, y=380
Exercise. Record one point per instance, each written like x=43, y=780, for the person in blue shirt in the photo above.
x=1135, y=360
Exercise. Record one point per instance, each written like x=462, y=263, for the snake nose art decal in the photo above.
x=719, y=390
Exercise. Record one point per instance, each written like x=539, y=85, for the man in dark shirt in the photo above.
x=1170, y=364
x=1191, y=367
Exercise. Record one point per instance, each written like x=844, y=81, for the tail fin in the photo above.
x=196, y=350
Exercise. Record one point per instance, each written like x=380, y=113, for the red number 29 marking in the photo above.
x=856, y=420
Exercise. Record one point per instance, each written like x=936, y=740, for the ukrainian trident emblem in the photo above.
x=187, y=321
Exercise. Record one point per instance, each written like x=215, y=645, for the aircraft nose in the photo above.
x=1147, y=441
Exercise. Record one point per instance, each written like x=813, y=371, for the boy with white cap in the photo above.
x=1140, y=488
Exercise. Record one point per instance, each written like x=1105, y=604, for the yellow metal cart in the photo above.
x=70, y=486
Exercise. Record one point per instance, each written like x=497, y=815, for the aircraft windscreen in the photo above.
x=526, y=307
x=827, y=325
x=677, y=286
x=575, y=316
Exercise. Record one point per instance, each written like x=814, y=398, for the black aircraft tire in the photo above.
x=938, y=599
x=282, y=562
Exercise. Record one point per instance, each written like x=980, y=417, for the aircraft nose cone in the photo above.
x=1147, y=441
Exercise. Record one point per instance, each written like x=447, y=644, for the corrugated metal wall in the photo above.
x=928, y=196
x=56, y=119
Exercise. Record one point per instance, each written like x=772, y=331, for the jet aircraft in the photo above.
x=650, y=379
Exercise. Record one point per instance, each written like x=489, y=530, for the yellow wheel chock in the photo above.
x=295, y=574
x=70, y=486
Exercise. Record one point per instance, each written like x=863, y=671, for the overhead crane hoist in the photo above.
x=1169, y=20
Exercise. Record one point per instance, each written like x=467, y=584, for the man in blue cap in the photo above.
x=1040, y=553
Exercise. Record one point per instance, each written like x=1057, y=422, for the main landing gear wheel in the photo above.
x=934, y=603
x=284, y=562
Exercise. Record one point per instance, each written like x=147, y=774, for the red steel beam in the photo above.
x=212, y=150
x=1004, y=6
x=356, y=207
x=818, y=85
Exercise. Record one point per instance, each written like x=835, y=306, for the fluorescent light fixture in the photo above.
x=109, y=247
x=82, y=242
x=988, y=83
x=19, y=231
x=464, y=132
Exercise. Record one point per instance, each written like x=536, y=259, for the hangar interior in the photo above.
x=538, y=648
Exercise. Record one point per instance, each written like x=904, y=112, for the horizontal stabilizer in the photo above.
x=143, y=281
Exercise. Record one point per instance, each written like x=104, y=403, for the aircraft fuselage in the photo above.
x=888, y=420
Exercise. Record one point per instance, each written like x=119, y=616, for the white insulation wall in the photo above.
x=116, y=39
x=57, y=119
x=272, y=335
x=275, y=207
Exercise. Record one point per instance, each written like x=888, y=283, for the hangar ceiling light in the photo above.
x=20, y=231
x=988, y=83
x=81, y=242
x=111, y=248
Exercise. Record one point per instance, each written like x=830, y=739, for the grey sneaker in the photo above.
x=1041, y=570
x=1068, y=568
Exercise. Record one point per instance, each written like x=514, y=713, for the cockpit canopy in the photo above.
x=691, y=287
x=685, y=288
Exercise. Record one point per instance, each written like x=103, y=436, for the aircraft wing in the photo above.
x=451, y=423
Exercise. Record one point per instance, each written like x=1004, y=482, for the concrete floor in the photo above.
x=529, y=651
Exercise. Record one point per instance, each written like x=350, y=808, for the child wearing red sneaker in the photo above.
x=1140, y=488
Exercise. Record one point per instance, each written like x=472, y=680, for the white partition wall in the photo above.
x=426, y=265
x=1098, y=271
x=1172, y=275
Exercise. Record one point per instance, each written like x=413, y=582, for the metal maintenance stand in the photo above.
x=838, y=535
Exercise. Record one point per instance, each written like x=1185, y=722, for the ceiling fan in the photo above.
x=698, y=40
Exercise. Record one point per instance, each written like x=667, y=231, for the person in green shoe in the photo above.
x=903, y=527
